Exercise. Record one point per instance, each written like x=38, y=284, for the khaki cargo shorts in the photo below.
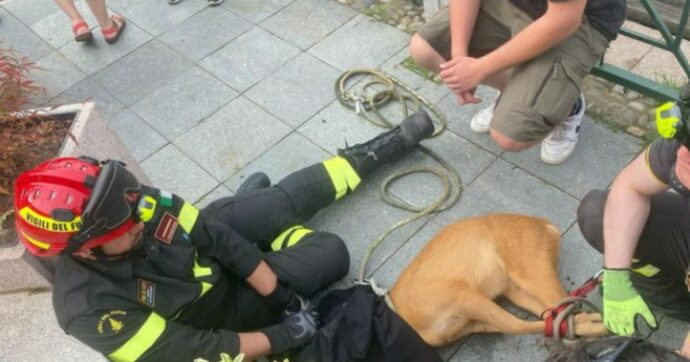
x=542, y=91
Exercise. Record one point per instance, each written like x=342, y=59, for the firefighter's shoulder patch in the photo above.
x=166, y=228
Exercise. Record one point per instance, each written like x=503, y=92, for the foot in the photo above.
x=389, y=146
x=81, y=31
x=560, y=143
x=112, y=34
x=255, y=181
x=481, y=122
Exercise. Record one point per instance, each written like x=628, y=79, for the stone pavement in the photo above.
x=203, y=97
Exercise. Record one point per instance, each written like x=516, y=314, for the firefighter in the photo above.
x=142, y=275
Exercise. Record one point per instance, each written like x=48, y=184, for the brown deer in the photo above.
x=448, y=290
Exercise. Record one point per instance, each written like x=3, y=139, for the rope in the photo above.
x=384, y=89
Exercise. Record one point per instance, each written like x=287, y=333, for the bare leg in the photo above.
x=424, y=54
x=100, y=11
x=74, y=16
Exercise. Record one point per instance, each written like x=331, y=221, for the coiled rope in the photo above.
x=377, y=90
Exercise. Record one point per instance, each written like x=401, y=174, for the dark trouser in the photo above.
x=664, y=244
x=316, y=260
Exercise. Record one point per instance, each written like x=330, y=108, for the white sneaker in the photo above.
x=481, y=122
x=560, y=144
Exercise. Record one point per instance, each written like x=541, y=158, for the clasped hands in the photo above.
x=462, y=75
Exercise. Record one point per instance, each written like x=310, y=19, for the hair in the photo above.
x=640, y=349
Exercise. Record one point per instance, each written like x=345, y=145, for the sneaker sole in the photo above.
x=551, y=160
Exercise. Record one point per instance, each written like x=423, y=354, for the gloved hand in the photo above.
x=284, y=298
x=296, y=330
x=622, y=303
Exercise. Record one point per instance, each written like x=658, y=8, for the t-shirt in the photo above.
x=660, y=156
x=606, y=16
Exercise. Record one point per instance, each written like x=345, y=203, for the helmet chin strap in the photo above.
x=676, y=184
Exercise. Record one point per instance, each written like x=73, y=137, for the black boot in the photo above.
x=389, y=146
x=255, y=181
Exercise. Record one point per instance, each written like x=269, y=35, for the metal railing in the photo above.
x=646, y=86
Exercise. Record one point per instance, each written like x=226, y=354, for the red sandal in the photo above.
x=112, y=34
x=87, y=36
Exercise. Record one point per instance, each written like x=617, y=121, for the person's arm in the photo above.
x=627, y=209
x=560, y=21
x=463, y=16
x=625, y=215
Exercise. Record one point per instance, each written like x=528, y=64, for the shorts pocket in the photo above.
x=558, y=91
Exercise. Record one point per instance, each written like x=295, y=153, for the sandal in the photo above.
x=112, y=34
x=82, y=36
x=215, y=2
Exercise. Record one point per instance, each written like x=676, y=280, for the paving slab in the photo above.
x=169, y=169
x=156, y=17
x=626, y=52
x=255, y=11
x=139, y=137
x=204, y=33
x=249, y=58
x=56, y=28
x=459, y=117
x=231, y=138
x=30, y=316
x=661, y=66
x=18, y=36
x=336, y=126
x=296, y=91
x=431, y=91
x=217, y=193
x=292, y=153
x=361, y=42
x=56, y=74
x=466, y=158
x=183, y=102
x=599, y=156
x=93, y=56
x=324, y=17
x=506, y=188
x=121, y=6
x=29, y=12
x=141, y=72
x=88, y=90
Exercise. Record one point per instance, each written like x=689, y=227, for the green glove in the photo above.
x=622, y=303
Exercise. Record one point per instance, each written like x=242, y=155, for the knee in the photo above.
x=590, y=218
x=508, y=144
x=422, y=52
x=340, y=255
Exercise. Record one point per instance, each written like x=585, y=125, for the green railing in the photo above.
x=670, y=43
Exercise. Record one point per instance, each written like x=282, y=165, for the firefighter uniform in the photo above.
x=181, y=294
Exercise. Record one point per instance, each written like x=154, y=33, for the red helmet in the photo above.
x=59, y=204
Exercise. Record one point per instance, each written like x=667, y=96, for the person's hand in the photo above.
x=296, y=330
x=462, y=74
x=622, y=303
x=467, y=97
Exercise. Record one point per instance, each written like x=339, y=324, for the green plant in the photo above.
x=669, y=80
x=412, y=66
x=25, y=138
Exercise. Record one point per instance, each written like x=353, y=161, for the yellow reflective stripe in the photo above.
x=200, y=271
x=50, y=224
x=205, y=287
x=40, y=244
x=145, y=337
x=187, y=216
x=648, y=270
x=296, y=234
x=342, y=175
